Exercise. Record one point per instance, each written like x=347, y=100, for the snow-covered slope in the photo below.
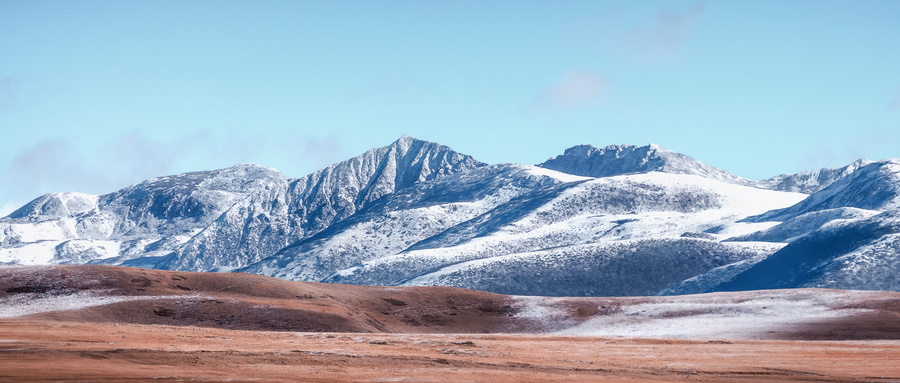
x=145, y=219
x=582, y=237
x=875, y=186
x=843, y=236
x=621, y=220
x=261, y=226
x=214, y=220
x=586, y=160
x=862, y=253
x=401, y=220
x=811, y=181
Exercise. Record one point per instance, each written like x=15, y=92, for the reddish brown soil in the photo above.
x=243, y=327
x=39, y=350
x=253, y=302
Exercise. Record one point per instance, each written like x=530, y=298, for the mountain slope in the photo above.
x=215, y=220
x=586, y=160
x=260, y=227
x=405, y=218
x=811, y=181
x=149, y=218
x=875, y=186
x=573, y=229
x=861, y=253
x=845, y=235
x=621, y=220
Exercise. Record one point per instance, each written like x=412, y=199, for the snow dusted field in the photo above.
x=744, y=315
x=112, y=294
x=28, y=304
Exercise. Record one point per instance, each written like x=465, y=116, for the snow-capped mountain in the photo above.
x=811, y=181
x=586, y=160
x=258, y=227
x=846, y=235
x=423, y=212
x=619, y=220
x=585, y=238
x=151, y=218
x=219, y=219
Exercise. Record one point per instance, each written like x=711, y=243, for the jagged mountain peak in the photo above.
x=258, y=227
x=590, y=161
x=417, y=212
x=874, y=185
x=812, y=181
x=151, y=195
x=338, y=191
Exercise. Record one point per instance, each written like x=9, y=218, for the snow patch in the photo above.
x=557, y=175
x=744, y=315
x=29, y=304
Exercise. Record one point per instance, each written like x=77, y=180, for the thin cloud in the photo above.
x=321, y=151
x=874, y=140
x=8, y=88
x=51, y=162
x=894, y=105
x=873, y=144
x=576, y=89
x=667, y=34
x=663, y=35
x=821, y=156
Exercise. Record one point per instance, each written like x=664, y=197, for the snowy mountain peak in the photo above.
x=873, y=186
x=589, y=161
x=417, y=213
x=305, y=206
x=405, y=141
x=338, y=191
x=56, y=205
x=812, y=181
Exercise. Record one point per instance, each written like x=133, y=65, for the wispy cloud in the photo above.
x=662, y=35
x=821, y=156
x=894, y=104
x=667, y=34
x=873, y=144
x=574, y=90
x=320, y=151
x=50, y=162
x=8, y=87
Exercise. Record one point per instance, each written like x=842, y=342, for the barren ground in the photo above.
x=62, y=351
x=97, y=323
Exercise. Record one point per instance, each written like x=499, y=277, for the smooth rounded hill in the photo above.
x=109, y=294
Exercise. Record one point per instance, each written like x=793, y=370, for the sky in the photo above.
x=98, y=95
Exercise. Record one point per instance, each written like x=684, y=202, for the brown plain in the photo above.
x=238, y=327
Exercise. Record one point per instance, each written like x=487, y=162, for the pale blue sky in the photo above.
x=96, y=95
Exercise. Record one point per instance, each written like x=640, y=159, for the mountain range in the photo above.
x=613, y=221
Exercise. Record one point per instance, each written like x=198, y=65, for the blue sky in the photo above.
x=96, y=95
